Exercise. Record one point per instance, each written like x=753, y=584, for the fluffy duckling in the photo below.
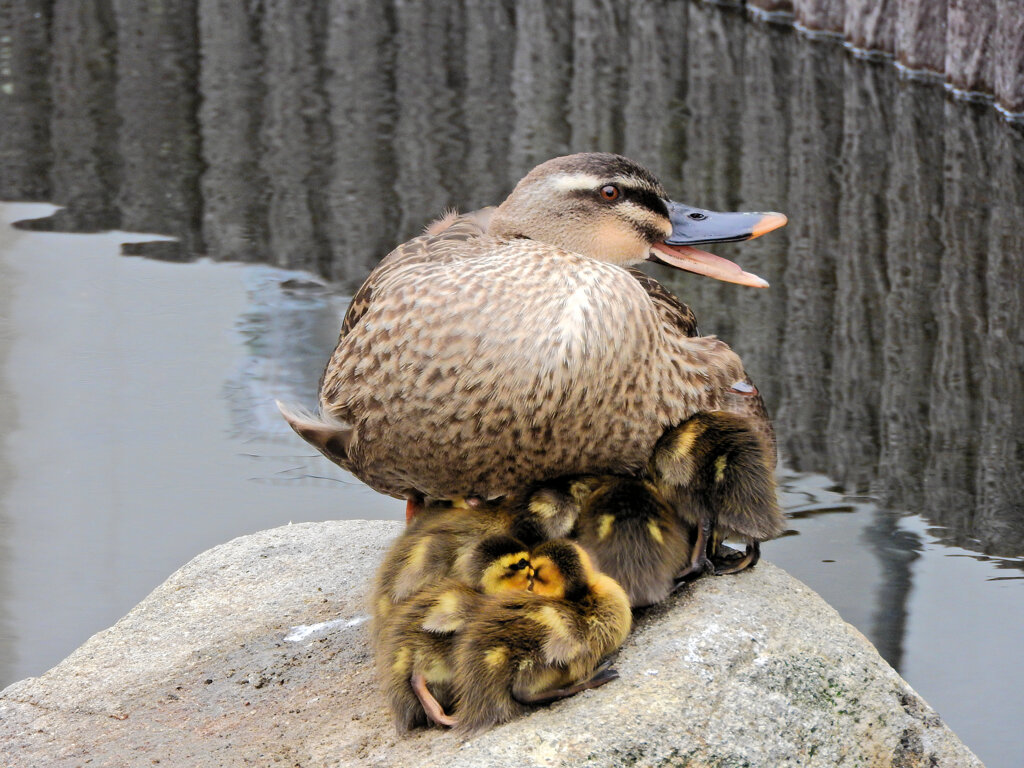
x=634, y=536
x=440, y=542
x=521, y=649
x=717, y=472
x=414, y=641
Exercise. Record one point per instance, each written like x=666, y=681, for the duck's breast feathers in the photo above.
x=455, y=320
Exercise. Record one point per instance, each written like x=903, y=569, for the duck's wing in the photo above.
x=742, y=398
x=327, y=434
x=746, y=401
x=432, y=245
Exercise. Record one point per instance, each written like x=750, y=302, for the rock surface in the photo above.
x=256, y=653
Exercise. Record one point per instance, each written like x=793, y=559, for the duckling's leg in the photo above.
x=735, y=562
x=603, y=674
x=434, y=711
x=699, y=562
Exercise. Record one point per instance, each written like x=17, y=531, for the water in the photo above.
x=137, y=392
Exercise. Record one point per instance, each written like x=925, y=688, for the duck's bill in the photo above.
x=696, y=226
x=704, y=263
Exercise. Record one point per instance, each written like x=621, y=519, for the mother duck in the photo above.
x=514, y=344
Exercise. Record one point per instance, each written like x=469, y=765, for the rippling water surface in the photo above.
x=312, y=136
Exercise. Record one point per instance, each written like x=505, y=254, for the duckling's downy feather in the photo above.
x=518, y=647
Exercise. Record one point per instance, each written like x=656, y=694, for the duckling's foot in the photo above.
x=733, y=561
x=433, y=710
x=697, y=568
x=679, y=582
x=603, y=674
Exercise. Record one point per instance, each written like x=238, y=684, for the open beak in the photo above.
x=695, y=226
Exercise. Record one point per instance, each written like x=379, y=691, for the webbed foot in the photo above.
x=734, y=561
x=431, y=707
x=699, y=562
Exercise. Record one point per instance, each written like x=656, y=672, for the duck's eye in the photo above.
x=610, y=192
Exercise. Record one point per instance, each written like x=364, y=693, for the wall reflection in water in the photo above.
x=315, y=134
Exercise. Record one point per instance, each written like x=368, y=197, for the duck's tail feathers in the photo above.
x=332, y=437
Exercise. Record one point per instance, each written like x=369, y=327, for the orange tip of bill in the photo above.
x=769, y=223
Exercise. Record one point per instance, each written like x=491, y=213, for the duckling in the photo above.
x=414, y=642
x=717, y=472
x=634, y=536
x=440, y=541
x=531, y=648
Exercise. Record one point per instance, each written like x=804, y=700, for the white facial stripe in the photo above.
x=570, y=182
x=638, y=211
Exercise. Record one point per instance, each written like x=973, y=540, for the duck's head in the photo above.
x=612, y=209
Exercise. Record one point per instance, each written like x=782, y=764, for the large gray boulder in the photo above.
x=256, y=653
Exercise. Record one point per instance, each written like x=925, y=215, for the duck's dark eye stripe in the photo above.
x=648, y=231
x=650, y=200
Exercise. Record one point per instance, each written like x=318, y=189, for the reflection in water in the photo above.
x=284, y=330
x=314, y=134
x=86, y=170
x=157, y=141
x=889, y=347
x=228, y=124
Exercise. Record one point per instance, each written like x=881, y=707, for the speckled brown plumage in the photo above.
x=491, y=352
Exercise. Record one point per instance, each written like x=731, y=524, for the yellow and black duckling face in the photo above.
x=561, y=570
x=612, y=209
x=503, y=564
x=535, y=648
x=414, y=639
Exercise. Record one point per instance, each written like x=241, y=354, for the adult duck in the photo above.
x=514, y=344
